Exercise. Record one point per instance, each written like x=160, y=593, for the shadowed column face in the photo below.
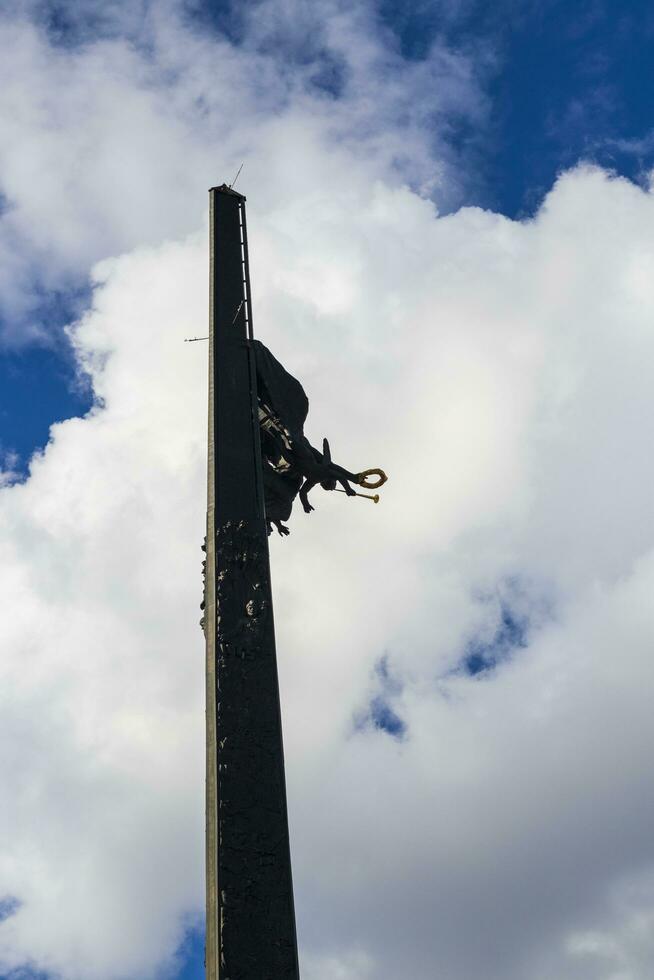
x=250, y=916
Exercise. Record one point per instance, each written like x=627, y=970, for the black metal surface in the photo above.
x=254, y=920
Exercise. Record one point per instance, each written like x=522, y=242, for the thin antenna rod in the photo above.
x=237, y=173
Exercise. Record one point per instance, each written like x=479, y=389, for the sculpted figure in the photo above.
x=291, y=465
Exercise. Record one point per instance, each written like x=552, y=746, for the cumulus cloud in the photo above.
x=499, y=371
x=110, y=139
x=103, y=675
x=507, y=398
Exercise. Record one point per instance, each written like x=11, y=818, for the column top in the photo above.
x=224, y=189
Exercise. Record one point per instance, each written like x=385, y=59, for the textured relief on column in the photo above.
x=203, y=604
x=255, y=894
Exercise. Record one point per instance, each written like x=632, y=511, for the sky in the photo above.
x=451, y=219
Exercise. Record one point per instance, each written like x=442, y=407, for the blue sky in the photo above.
x=509, y=565
x=567, y=82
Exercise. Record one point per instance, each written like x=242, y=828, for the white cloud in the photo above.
x=499, y=371
x=103, y=678
x=110, y=144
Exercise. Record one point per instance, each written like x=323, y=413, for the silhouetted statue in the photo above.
x=291, y=465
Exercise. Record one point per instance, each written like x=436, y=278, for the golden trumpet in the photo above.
x=368, y=496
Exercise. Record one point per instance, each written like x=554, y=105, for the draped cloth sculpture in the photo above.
x=291, y=465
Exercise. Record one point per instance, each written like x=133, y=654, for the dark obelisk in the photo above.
x=250, y=914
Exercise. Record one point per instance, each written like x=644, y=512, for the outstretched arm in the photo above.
x=346, y=486
x=304, y=491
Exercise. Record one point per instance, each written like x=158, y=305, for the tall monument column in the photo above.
x=250, y=913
